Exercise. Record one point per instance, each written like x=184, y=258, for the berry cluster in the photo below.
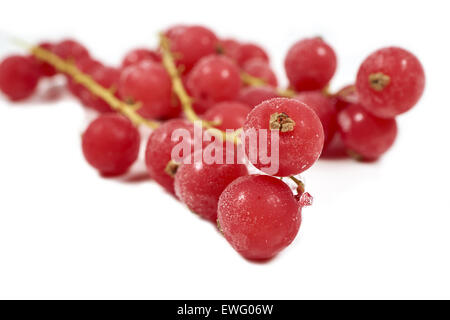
x=227, y=84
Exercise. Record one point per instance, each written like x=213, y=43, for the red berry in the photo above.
x=137, y=55
x=345, y=97
x=190, y=44
x=364, y=135
x=300, y=135
x=213, y=79
x=253, y=96
x=108, y=78
x=259, y=68
x=70, y=49
x=310, y=64
x=159, y=150
x=88, y=66
x=228, y=115
x=230, y=48
x=200, y=184
x=45, y=69
x=259, y=216
x=19, y=77
x=111, y=144
x=149, y=84
x=325, y=109
x=248, y=51
x=390, y=82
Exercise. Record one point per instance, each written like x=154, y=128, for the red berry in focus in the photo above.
x=325, y=109
x=190, y=44
x=258, y=216
x=228, y=115
x=390, y=82
x=147, y=83
x=45, y=69
x=364, y=135
x=111, y=144
x=70, y=50
x=159, y=150
x=310, y=64
x=19, y=77
x=213, y=79
x=200, y=184
x=137, y=55
x=260, y=68
x=253, y=96
x=300, y=135
x=249, y=51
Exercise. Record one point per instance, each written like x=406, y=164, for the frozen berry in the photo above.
x=19, y=77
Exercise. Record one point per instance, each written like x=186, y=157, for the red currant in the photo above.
x=19, y=77
x=300, y=134
x=310, y=64
x=259, y=216
x=231, y=48
x=108, y=78
x=158, y=154
x=200, y=184
x=137, y=55
x=213, y=79
x=365, y=136
x=259, y=68
x=325, y=109
x=111, y=144
x=390, y=82
x=190, y=44
x=253, y=96
x=345, y=97
x=147, y=83
x=248, y=51
x=45, y=69
x=70, y=49
x=228, y=115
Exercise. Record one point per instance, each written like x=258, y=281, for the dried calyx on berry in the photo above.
x=282, y=122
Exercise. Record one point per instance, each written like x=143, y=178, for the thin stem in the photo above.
x=300, y=184
x=168, y=61
x=128, y=110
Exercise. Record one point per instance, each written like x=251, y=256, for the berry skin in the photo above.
x=199, y=185
x=70, y=50
x=365, y=136
x=390, y=82
x=159, y=149
x=253, y=96
x=111, y=144
x=190, y=44
x=213, y=79
x=325, y=109
x=229, y=115
x=259, y=68
x=19, y=77
x=137, y=55
x=300, y=134
x=249, y=51
x=149, y=84
x=45, y=69
x=310, y=64
x=259, y=216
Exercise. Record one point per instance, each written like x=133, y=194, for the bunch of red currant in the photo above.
x=228, y=85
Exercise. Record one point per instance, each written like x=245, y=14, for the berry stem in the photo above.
x=128, y=110
x=168, y=61
x=300, y=185
x=250, y=80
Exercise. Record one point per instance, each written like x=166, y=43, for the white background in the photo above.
x=375, y=231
